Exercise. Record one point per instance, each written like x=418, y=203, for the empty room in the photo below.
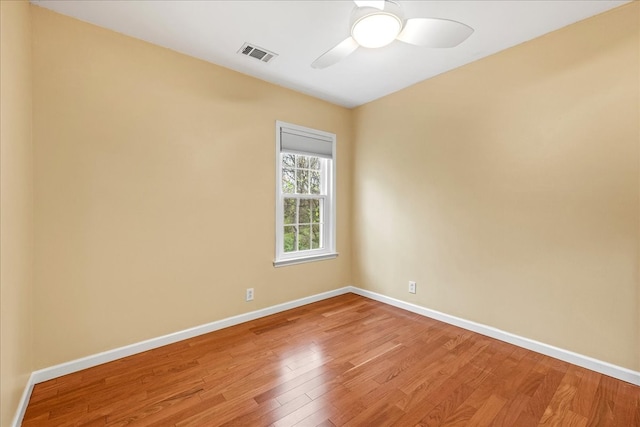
x=320, y=213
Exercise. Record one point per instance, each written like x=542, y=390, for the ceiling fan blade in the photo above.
x=336, y=53
x=434, y=32
x=378, y=4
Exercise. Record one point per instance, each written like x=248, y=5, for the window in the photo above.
x=305, y=194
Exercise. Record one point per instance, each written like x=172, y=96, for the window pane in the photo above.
x=290, y=214
x=302, y=181
x=305, y=211
x=290, y=238
x=289, y=160
x=288, y=180
x=304, y=196
x=315, y=236
x=305, y=237
x=315, y=206
x=303, y=161
x=315, y=182
x=314, y=163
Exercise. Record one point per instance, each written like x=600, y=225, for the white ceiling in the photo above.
x=299, y=31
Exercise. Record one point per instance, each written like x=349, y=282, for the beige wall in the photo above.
x=155, y=191
x=16, y=205
x=508, y=189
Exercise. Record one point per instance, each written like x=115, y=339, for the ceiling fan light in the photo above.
x=376, y=29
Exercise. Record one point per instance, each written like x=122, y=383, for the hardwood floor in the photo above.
x=345, y=361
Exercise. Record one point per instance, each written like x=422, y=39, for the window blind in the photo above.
x=300, y=142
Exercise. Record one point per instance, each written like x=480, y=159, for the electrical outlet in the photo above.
x=412, y=287
x=249, y=296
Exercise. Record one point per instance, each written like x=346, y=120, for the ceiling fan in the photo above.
x=376, y=23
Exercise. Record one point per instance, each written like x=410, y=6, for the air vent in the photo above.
x=256, y=52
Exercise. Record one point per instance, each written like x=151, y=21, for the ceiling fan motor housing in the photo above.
x=374, y=21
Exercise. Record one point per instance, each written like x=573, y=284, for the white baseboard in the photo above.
x=46, y=374
x=587, y=362
x=118, y=353
x=24, y=401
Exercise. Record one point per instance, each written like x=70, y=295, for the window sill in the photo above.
x=302, y=260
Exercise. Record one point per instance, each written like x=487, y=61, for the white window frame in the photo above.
x=328, y=250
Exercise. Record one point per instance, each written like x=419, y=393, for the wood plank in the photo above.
x=603, y=403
